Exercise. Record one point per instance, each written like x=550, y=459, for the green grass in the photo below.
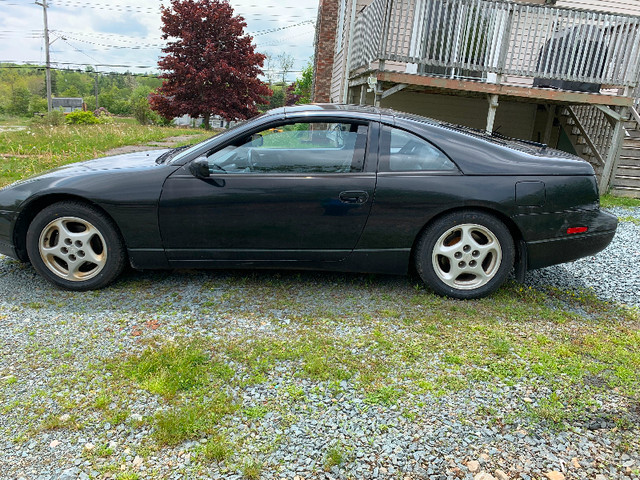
x=251, y=469
x=39, y=148
x=217, y=449
x=336, y=456
x=170, y=368
x=609, y=201
x=196, y=417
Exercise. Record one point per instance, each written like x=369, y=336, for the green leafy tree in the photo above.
x=303, y=85
x=20, y=99
x=141, y=108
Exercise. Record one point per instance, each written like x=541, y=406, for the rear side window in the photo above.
x=409, y=153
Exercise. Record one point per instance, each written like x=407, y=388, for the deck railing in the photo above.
x=474, y=38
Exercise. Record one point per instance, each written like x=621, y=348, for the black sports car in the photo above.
x=328, y=187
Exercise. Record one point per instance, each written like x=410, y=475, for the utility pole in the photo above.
x=96, y=90
x=46, y=46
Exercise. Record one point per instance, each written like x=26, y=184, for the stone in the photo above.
x=484, y=476
x=473, y=466
x=137, y=462
x=54, y=443
x=600, y=477
x=554, y=475
x=89, y=446
x=575, y=463
x=500, y=475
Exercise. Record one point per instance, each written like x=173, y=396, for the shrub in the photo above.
x=37, y=105
x=82, y=118
x=55, y=117
x=101, y=112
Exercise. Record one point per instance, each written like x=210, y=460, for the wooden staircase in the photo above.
x=626, y=180
x=579, y=140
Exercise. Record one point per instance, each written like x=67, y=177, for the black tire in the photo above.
x=75, y=246
x=481, y=247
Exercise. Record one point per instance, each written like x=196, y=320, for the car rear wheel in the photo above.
x=75, y=246
x=465, y=254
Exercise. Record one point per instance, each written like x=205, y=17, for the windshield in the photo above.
x=195, y=147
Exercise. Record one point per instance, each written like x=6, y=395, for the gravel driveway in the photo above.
x=420, y=401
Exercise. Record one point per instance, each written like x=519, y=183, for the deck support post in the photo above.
x=551, y=114
x=613, y=156
x=363, y=94
x=491, y=115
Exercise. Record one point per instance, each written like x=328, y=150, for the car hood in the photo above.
x=134, y=161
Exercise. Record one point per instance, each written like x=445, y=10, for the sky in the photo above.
x=121, y=35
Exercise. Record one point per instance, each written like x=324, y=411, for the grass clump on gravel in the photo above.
x=195, y=418
x=169, y=368
x=217, y=449
x=185, y=374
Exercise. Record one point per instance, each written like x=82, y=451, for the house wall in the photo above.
x=514, y=119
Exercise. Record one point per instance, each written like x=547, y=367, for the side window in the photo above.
x=409, y=153
x=313, y=147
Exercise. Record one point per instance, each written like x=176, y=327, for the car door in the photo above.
x=293, y=192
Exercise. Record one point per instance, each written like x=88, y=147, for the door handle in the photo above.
x=357, y=197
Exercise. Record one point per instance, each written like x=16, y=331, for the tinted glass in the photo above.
x=411, y=153
x=296, y=148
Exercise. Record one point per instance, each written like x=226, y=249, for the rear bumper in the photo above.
x=543, y=253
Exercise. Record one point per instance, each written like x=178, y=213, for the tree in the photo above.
x=211, y=66
x=303, y=85
x=20, y=98
x=286, y=63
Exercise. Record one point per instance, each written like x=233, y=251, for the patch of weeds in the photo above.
x=386, y=396
x=102, y=401
x=251, y=469
x=127, y=476
x=101, y=451
x=217, y=449
x=56, y=422
x=190, y=420
x=609, y=201
x=553, y=411
x=409, y=415
x=256, y=412
x=499, y=346
x=116, y=416
x=452, y=359
x=629, y=219
x=170, y=368
x=336, y=455
x=295, y=393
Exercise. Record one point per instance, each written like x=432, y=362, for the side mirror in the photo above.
x=199, y=168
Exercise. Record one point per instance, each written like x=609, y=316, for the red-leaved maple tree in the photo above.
x=210, y=64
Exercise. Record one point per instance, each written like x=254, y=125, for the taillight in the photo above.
x=572, y=230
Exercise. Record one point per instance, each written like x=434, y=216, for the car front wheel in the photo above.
x=465, y=254
x=75, y=246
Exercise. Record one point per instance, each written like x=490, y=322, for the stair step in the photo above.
x=627, y=182
x=625, y=191
x=627, y=153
